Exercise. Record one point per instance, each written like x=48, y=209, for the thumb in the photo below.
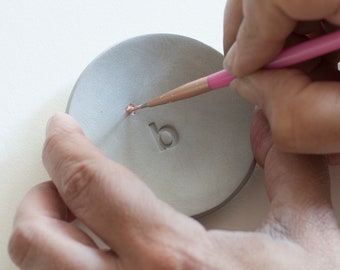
x=303, y=115
x=113, y=202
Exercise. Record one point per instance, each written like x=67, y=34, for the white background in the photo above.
x=44, y=46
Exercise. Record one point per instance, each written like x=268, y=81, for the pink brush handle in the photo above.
x=293, y=55
x=219, y=79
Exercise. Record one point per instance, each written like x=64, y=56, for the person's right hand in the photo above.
x=302, y=107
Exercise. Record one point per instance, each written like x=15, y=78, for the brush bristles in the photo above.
x=131, y=109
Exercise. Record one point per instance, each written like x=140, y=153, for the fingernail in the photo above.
x=61, y=122
x=229, y=59
x=48, y=126
x=257, y=108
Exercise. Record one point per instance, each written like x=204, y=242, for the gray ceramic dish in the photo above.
x=194, y=154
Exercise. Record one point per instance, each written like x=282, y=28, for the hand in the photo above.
x=142, y=232
x=302, y=107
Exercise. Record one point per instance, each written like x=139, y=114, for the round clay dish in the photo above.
x=193, y=154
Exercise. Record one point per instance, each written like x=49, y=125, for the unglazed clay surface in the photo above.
x=194, y=154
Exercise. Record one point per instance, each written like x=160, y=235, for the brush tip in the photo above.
x=131, y=109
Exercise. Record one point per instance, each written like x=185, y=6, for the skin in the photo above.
x=299, y=232
x=302, y=105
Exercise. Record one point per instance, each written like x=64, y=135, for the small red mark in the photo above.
x=130, y=109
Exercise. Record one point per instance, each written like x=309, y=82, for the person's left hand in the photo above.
x=142, y=232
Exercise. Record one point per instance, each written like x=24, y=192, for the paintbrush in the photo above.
x=293, y=55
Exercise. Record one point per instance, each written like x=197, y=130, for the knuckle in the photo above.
x=169, y=261
x=283, y=124
x=50, y=145
x=285, y=111
x=186, y=256
x=71, y=172
x=75, y=183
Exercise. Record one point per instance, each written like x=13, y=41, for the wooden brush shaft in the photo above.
x=185, y=91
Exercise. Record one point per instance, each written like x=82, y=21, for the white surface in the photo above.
x=45, y=44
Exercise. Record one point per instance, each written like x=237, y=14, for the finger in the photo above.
x=108, y=198
x=299, y=191
x=261, y=140
x=260, y=136
x=256, y=39
x=303, y=115
x=42, y=239
x=266, y=25
x=232, y=20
